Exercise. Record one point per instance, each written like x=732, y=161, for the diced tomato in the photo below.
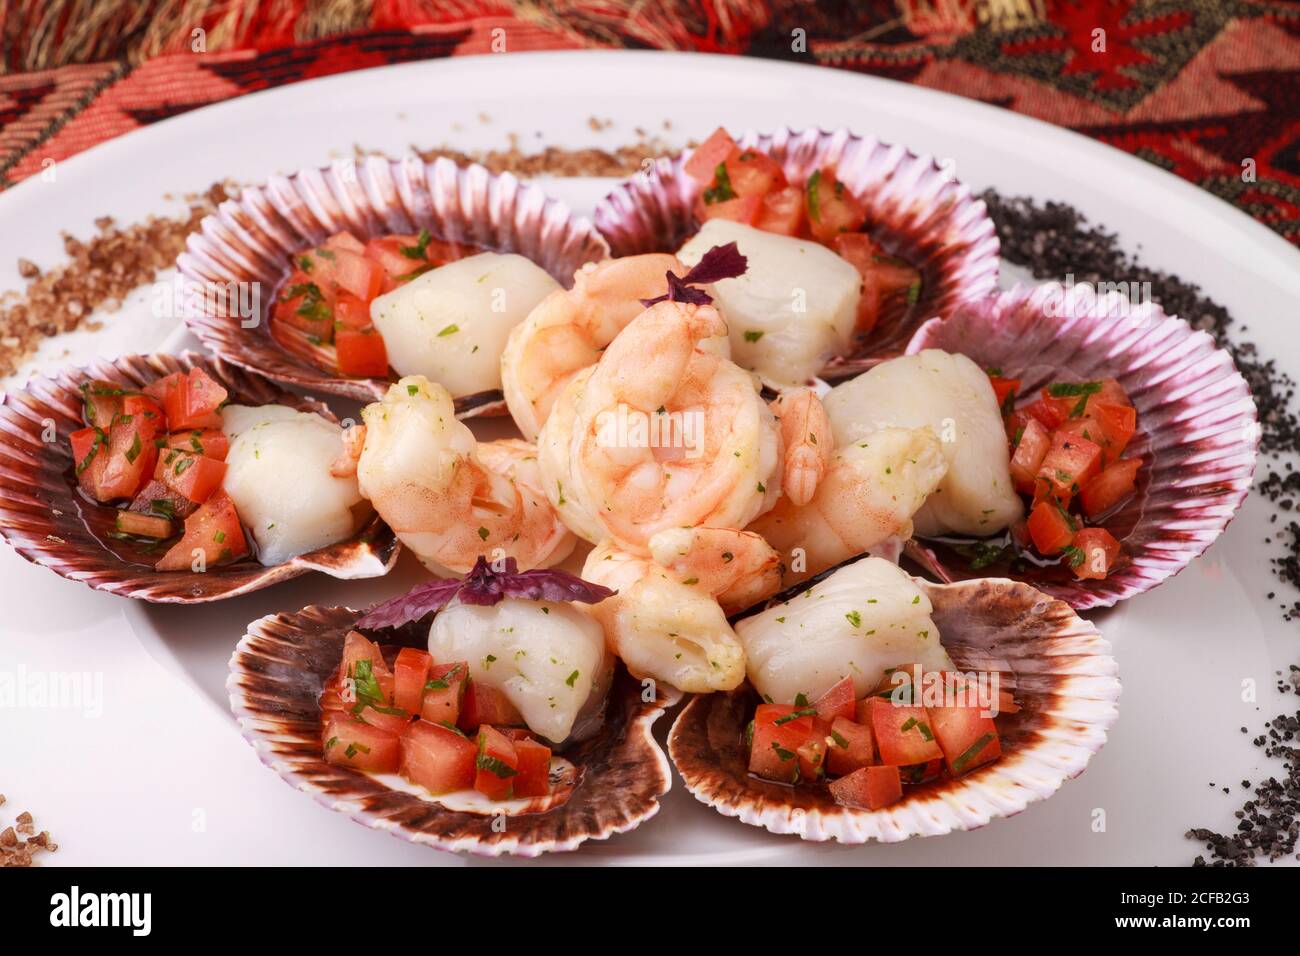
x=192, y=476
x=903, y=735
x=1115, y=483
x=357, y=648
x=781, y=212
x=208, y=442
x=533, y=778
x=90, y=458
x=392, y=719
x=742, y=209
x=387, y=252
x=706, y=157
x=859, y=251
x=1069, y=464
x=440, y=759
x=444, y=693
x=349, y=742
x=307, y=311
x=894, y=276
x=966, y=738
x=1016, y=424
x=1052, y=412
x=101, y=403
x=410, y=672
x=1007, y=702
x=1118, y=423
x=869, y=788
x=496, y=764
x=1051, y=528
x=213, y=530
x=486, y=705
x=1028, y=456
x=1098, y=550
x=331, y=695
x=361, y=353
x=753, y=173
x=838, y=701
x=189, y=400
x=852, y=747
x=830, y=207
x=356, y=274
x=1111, y=393
x=921, y=772
x=898, y=684
x=132, y=453
x=351, y=313
x=1004, y=388
x=345, y=242
x=777, y=737
x=812, y=758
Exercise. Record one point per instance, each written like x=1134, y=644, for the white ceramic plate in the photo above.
x=155, y=771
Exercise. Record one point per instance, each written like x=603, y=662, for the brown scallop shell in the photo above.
x=916, y=210
x=252, y=240
x=1197, y=430
x=276, y=676
x=48, y=521
x=1064, y=680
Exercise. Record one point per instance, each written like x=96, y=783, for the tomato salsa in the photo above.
x=429, y=722
x=866, y=750
x=160, y=453
x=748, y=186
x=1067, y=459
x=322, y=311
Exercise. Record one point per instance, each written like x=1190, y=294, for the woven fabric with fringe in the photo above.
x=1205, y=89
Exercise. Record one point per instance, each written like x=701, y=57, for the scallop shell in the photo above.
x=1197, y=428
x=917, y=211
x=1065, y=682
x=251, y=240
x=48, y=521
x=276, y=676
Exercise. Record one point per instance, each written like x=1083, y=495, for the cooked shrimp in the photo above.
x=449, y=498
x=808, y=442
x=567, y=331
x=871, y=490
x=663, y=434
x=661, y=627
x=738, y=568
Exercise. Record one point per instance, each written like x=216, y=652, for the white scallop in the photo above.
x=547, y=657
x=451, y=324
x=952, y=395
x=866, y=617
x=278, y=476
x=794, y=308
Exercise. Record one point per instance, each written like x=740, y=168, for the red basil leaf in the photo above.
x=720, y=262
x=411, y=606
x=483, y=586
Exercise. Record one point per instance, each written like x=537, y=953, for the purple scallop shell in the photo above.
x=49, y=522
x=252, y=240
x=1065, y=682
x=916, y=210
x=276, y=675
x=1197, y=431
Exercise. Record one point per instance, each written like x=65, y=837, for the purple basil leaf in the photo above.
x=413, y=605
x=550, y=584
x=720, y=262
x=483, y=587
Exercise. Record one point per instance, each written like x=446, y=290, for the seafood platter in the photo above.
x=795, y=508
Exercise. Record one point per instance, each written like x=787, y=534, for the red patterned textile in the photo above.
x=1208, y=89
